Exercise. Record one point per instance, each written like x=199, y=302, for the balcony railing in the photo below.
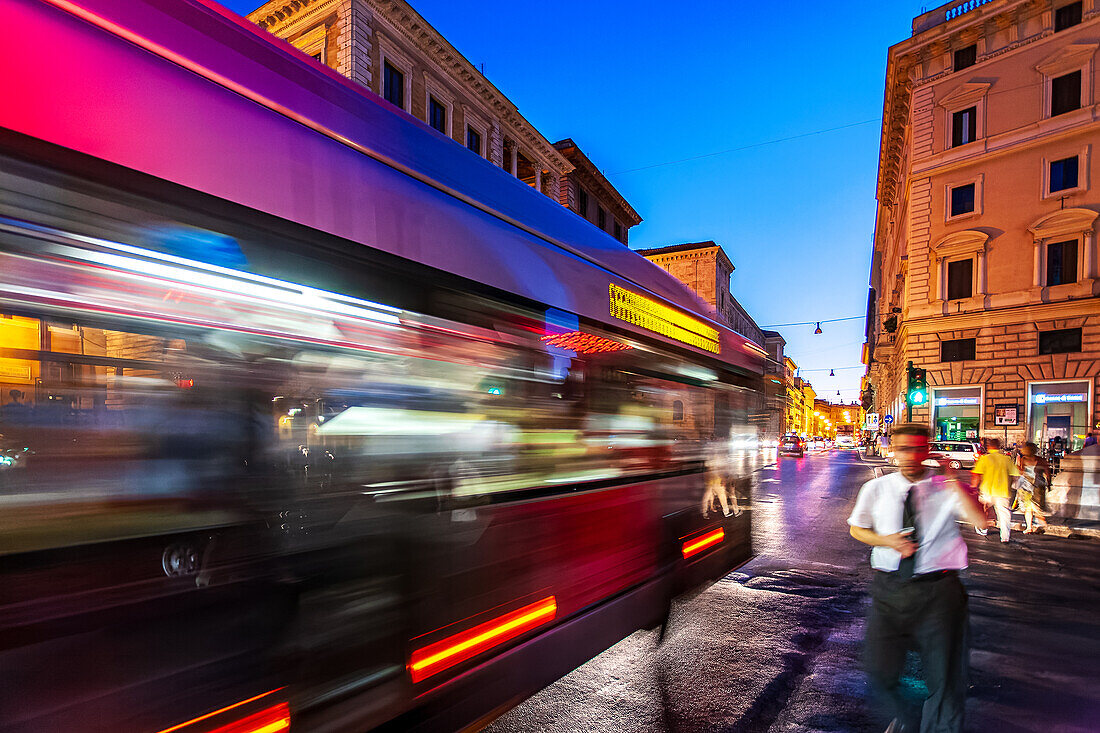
x=944, y=13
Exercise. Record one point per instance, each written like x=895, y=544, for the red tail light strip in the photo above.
x=446, y=653
x=270, y=720
x=698, y=544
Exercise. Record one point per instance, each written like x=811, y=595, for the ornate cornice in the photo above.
x=286, y=17
x=895, y=120
x=587, y=171
x=433, y=46
x=278, y=16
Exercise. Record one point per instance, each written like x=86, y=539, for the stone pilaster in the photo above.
x=918, y=240
x=495, y=143
x=354, y=42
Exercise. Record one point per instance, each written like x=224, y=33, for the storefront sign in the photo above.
x=1006, y=415
x=955, y=401
x=1043, y=399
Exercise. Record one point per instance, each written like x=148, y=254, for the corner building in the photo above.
x=391, y=50
x=984, y=269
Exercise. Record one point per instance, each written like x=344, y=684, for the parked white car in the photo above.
x=957, y=453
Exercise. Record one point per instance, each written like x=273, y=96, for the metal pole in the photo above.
x=908, y=399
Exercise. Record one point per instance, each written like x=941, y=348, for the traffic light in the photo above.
x=918, y=386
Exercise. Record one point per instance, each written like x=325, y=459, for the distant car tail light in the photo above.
x=272, y=719
x=446, y=653
x=697, y=544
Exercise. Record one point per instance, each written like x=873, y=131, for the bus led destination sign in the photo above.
x=657, y=317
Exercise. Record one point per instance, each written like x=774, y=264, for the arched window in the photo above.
x=677, y=410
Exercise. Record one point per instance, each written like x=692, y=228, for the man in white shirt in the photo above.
x=908, y=518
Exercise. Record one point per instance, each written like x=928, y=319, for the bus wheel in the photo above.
x=180, y=560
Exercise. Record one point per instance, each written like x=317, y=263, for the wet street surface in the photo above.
x=776, y=645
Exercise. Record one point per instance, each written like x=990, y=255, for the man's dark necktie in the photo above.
x=909, y=519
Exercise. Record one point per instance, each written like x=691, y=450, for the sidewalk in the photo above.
x=1056, y=526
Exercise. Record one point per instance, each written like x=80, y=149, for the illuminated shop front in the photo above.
x=1059, y=410
x=956, y=412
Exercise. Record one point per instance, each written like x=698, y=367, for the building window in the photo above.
x=1067, y=16
x=962, y=199
x=393, y=85
x=1065, y=93
x=473, y=140
x=964, y=126
x=618, y=231
x=965, y=57
x=601, y=218
x=1061, y=263
x=437, y=115
x=957, y=350
x=312, y=42
x=1062, y=341
x=960, y=279
x=1063, y=174
x=582, y=202
x=677, y=410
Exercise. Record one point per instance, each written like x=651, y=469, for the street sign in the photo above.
x=888, y=419
x=1006, y=415
x=871, y=422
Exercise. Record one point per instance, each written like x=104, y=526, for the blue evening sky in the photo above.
x=642, y=83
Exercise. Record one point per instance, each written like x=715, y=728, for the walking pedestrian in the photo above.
x=717, y=476
x=993, y=475
x=1031, y=487
x=917, y=599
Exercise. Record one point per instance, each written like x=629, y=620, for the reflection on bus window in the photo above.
x=223, y=420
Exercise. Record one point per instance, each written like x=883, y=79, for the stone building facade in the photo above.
x=388, y=48
x=705, y=268
x=775, y=384
x=984, y=269
x=587, y=191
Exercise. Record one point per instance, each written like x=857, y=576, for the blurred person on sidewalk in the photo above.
x=993, y=475
x=1031, y=488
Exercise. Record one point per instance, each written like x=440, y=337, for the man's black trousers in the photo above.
x=928, y=613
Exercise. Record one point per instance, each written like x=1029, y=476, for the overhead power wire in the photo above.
x=811, y=323
x=746, y=147
x=836, y=369
x=812, y=133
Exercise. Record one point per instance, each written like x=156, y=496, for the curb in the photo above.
x=1061, y=530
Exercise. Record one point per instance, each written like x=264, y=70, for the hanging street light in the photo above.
x=831, y=373
x=818, y=329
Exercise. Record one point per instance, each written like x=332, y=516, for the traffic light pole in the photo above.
x=908, y=388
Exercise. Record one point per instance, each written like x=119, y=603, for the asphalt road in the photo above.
x=776, y=645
